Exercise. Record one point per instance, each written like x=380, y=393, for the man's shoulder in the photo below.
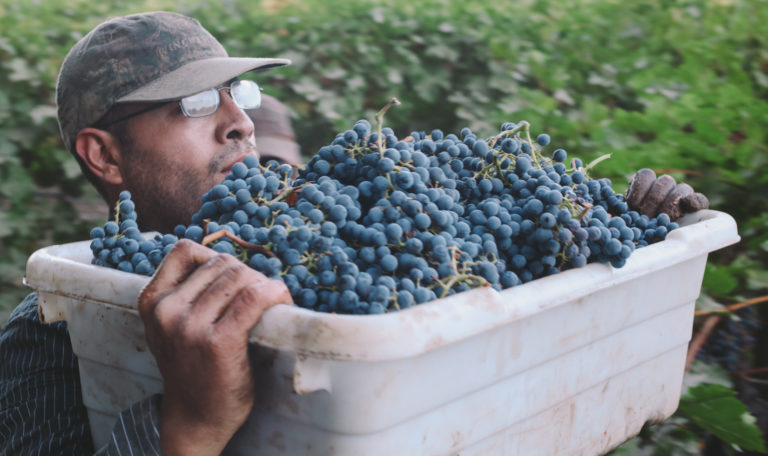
x=26, y=310
x=25, y=317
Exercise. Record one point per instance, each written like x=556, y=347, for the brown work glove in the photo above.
x=651, y=196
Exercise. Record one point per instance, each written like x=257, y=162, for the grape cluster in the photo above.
x=120, y=245
x=731, y=339
x=376, y=224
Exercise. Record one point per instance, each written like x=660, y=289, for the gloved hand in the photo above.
x=651, y=196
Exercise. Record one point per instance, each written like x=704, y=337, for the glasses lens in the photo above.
x=246, y=94
x=200, y=104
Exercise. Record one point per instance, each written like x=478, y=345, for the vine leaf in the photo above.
x=716, y=409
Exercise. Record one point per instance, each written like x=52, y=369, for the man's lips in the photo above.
x=233, y=153
x=229, y=166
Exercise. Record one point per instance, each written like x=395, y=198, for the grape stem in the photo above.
x=584, y=211
x=752, y=372
x=713, y=318
x=594, y=162
x=117, y=211
x=391, y=185
x=224, y=233
x=733, y=307
x=700, y=339
x=522, y=126
x=534, y=156
x=379, y=123
x=286, y=191
x=459, y=279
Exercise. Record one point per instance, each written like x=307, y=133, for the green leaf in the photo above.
x=20, y=70
x=629, y=448
x=757, y=279
x=442, y=51
x=71, y=169
x=719, y=280
x=5, y=229
x=672, y=437
x=42, y=112
x=705, y=373
x=716, y=409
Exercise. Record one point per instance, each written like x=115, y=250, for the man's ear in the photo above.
x=100, y=151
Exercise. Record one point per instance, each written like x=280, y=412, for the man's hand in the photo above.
x=651, y=196
x=197, y=312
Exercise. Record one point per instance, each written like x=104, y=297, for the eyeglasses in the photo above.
x=245, y=93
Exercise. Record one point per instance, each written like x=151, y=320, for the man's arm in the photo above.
x=197, y=312
x=41, y=405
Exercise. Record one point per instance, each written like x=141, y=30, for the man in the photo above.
x=141, y=107
x=150, y=103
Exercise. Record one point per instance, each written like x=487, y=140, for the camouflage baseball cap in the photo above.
x=147, y=57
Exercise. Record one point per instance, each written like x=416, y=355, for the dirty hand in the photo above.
x=197, y=312
x=651, y=196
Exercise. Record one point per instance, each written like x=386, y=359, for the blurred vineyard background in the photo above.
x=679, y=86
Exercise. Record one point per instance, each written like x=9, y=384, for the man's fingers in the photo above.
x=181, y=261
x=205, y=291
x=651, y=196
x=638, y=188
x=656, y=195
x=671, y=204
x=217, y=294
x=694, y=202
x=246, y=308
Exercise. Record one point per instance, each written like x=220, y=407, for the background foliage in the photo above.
x=675, y=85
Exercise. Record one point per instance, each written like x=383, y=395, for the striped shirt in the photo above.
x=41, y=405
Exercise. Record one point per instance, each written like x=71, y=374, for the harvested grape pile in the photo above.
x=376, y=224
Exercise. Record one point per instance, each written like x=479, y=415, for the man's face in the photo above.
x=171, y=160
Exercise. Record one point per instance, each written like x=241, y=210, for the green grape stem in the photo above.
x=522, y=126
x=380, y=123
x=455, y=280
x=459, y=276
x=117, y=212
x=286, y=191
x=594, y=162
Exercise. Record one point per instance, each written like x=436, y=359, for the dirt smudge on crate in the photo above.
x=315, y=331
x=292, y=406
x=434, y=342
x=277, y=440
x=457, y=439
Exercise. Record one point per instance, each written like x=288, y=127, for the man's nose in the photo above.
x=234, y=123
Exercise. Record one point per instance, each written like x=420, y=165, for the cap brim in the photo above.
x=198, y=76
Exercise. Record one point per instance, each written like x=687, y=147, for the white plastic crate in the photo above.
x=572, y=364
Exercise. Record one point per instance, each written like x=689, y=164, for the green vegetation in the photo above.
x=675, y=85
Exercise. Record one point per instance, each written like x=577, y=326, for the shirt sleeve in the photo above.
x=136, y=431
x=41, y=405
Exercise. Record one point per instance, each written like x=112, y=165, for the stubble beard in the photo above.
x=168, y=194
